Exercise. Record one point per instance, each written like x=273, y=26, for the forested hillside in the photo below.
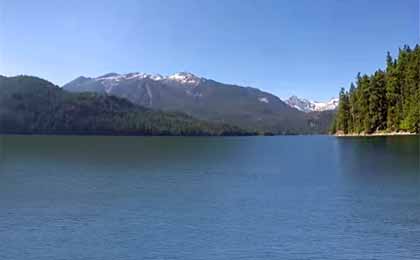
x=206, y=99
x=29, y=105
x=387, y=101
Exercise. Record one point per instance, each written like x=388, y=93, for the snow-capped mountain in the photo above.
x=311, y=106
x=114, y=82
x=202, y=98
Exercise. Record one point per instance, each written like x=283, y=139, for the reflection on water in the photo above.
x=300, y=197
x=380, y=158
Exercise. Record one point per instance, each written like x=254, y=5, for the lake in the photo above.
x=286, y=197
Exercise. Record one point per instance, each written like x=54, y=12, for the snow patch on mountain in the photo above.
x=129, y=76
x=264, y=100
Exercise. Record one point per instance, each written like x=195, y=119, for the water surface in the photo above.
x=300, y=197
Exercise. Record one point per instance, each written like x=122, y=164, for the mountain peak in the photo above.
x=108, y=75
x=185, y=78
x=295, y=98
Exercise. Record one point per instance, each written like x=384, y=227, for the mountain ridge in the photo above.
x=31, y=105
x=203, y=98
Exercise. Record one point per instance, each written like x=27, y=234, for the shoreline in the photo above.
x=376, y=134
x=139, y=135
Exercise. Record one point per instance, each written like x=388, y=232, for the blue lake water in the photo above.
x=292, y=197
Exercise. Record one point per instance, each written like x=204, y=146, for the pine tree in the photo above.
x=343, y=112
x=393, y=93
x=352, y=109
x=357, y=106
x=377, y=108
x=363, y=102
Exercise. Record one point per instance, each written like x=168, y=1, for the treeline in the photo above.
x=387, y=101
x=29, y=105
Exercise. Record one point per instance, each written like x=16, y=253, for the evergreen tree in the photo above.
x=357, y=107
x=393, y=92
x=343, y=114
x=377, y=103
x=363, y=101
x=352, y=109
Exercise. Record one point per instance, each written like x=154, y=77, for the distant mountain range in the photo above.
x=209, y=100
x=312, y=106
x=30, y=105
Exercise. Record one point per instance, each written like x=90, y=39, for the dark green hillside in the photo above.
x=387, y=101
x=30, y=105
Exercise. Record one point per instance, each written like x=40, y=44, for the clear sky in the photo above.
x=310, y=48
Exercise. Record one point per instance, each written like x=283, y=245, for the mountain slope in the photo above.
x=204, y=99
x=32, y=105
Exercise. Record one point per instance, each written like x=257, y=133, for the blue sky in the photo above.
x=303, y=47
